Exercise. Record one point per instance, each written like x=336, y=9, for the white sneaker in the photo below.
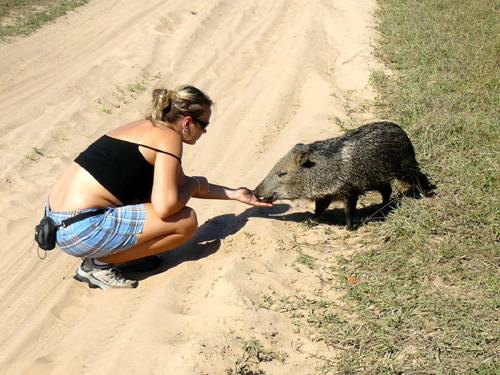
x=103, y=277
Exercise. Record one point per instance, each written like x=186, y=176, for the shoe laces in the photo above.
x=117, y=274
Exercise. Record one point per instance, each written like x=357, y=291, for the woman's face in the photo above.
x=196, y=127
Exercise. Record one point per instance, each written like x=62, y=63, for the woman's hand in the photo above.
x=245, y=195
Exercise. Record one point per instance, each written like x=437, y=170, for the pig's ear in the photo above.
x=302, y=155
x=302, y=159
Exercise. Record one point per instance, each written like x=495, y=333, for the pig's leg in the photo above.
x=350, y=210
x=386, y=192
x=321, y=205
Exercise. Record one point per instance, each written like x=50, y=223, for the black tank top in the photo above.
x=119, y=166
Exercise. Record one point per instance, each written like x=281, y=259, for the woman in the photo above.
x=131, y=181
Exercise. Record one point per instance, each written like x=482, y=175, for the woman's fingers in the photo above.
x=246, y=196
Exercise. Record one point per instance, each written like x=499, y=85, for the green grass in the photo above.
x=23, y=17
x=306, y=260
x=422, y=296
x=429, y=299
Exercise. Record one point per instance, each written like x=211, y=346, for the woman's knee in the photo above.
x=189, y=222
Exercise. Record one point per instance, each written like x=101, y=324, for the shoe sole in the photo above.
x=83, y=277
x=85, y=280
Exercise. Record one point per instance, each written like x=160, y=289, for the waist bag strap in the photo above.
x=82, y=216
x=45, y=232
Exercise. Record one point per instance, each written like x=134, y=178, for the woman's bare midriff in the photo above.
x=77, y=189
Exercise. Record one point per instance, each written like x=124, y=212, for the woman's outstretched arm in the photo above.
x=207, y=190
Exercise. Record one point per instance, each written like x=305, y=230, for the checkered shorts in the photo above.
x=98, y=236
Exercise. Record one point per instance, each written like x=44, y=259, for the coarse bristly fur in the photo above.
x=343, y=168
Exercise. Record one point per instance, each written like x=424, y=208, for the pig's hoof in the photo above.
x=312, y=222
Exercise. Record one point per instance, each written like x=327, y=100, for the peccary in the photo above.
x=343, y=168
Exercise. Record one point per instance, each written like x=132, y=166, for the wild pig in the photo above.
x=343, y=168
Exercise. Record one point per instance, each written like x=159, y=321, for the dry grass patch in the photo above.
x=23, y=17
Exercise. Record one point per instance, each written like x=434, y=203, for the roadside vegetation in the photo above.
x=23, y=17
x=421, y=291
x=427, y=295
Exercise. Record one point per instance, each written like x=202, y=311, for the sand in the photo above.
x=280, y=72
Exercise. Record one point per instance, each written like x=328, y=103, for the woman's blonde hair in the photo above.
x=168, y=105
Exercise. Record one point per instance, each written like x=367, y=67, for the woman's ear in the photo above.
x=186, y=128
x=186, y=124
x=187, y=121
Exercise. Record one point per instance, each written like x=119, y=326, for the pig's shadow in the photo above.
x=336, y=216
x=364, y=214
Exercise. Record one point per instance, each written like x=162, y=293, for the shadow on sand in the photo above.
x=206, y=242
x=209, y=236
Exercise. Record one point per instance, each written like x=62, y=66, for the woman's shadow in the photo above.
x=210, y=234
x=206, y=242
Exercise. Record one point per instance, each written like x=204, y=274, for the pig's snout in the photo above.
x=265, y=197
x=268, y=199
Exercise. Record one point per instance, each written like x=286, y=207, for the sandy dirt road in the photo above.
x=280, y=72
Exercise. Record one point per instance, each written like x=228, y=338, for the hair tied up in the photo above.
x=171, y=96
x=170, y=105
x=162, y=99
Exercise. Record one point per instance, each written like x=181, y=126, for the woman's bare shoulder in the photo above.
x=130, y=130
x=144, y=132
x=164, y=138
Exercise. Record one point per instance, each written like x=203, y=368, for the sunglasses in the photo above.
x=202, y=123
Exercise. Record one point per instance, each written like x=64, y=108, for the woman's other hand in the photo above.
x=245, y=195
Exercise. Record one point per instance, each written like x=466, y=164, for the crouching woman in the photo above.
x=132, y=184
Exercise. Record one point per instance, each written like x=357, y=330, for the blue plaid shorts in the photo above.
x=101, y=235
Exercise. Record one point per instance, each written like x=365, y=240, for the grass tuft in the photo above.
x=253, y=354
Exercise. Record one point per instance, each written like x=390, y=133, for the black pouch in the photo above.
x=45, y=233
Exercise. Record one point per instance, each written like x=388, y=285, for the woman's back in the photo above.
x=114, y=170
